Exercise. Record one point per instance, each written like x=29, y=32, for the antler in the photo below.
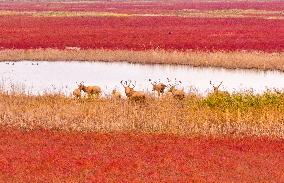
x=153, y=83
x=133, y=85
x=177, y=82
x=124, y=84
x=216, y=86
x=81, y=83
x=169, y=82
x=220, y=84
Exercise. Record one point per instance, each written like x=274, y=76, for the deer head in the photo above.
x=216, y=87
x=127, y=87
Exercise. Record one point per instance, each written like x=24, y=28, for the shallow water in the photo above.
x=62, y=76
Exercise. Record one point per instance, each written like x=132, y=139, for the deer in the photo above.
x=116, y=94
x=77, y=93
x=277, y=91
x=176, y=93
x=90, y=90
x=130, y=93
x=158, y=87
x=216, y=89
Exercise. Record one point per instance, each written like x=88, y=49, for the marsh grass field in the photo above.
x=217, y=114
x=230, y=60
x=217, y=137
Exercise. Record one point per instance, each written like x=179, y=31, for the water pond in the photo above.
x=44, y=76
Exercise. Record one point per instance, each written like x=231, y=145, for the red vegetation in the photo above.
x=140, y=7
x=42, y=156
x=142, y=33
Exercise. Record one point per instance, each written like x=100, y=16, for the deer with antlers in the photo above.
x=131, y=93
x=158, y=87
x=216, y=89
x=176, y=93
x=90, y=90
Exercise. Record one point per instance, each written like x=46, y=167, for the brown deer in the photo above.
x=131, y=93
x=158, y=87
x=116, y=94
x=77, y=93
x=90, y=90
x=176, y=93
x=215, y=87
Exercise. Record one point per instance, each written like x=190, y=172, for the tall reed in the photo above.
x=230, y=60
x=239, y=114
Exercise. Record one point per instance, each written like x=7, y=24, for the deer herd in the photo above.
x=134, y=95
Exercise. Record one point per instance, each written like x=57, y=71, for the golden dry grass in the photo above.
x=63, y=14
x=230, y=13
x=227, y=13
x=242, y=114
x=229, y=60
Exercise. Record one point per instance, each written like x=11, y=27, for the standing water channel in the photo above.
x=45, y=76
